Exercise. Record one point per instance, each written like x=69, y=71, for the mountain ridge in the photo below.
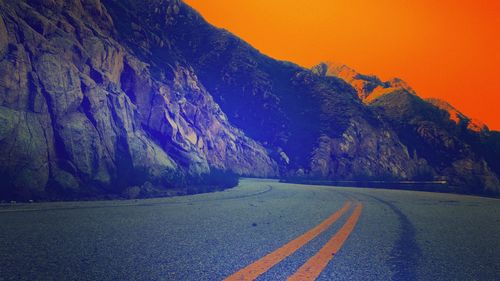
x=98, y=97
x=440, y=128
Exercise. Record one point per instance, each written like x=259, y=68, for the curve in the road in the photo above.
x=64, y=208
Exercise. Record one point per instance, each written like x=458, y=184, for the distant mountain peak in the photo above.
x=368, y=87
x=371, y=87
x=330, y=68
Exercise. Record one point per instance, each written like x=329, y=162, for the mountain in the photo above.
x=120, y=97
x=458, y=149
x=81, y=114
x=459, y=118
x=368, y=87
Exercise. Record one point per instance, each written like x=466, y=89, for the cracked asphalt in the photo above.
x=400, y=235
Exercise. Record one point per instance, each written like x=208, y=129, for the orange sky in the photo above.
x=445, y=49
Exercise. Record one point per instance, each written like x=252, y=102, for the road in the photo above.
x=261, y=229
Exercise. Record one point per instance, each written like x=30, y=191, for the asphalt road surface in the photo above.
x=262, y=230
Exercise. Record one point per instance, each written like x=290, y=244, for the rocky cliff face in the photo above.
x=98, y=96
x=313, y=125
x=81, y=113
x=453, y=144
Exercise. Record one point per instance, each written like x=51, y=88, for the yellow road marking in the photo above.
x=254, y=270
x=316, y=264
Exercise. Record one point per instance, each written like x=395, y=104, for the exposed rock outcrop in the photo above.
x=81, y=114
x=368, y=87
x=430, y=129
x=313, y=125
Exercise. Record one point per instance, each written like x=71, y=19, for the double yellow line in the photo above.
x=316, y=264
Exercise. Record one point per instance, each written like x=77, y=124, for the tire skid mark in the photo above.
x=405, y=253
